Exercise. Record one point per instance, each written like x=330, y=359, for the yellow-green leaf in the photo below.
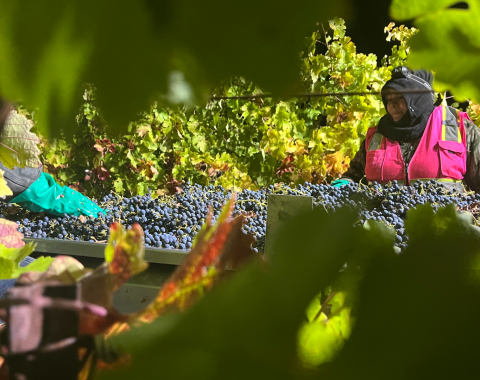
x=18, y=146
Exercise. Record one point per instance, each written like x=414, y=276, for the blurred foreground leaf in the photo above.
x=64, y=269
x=321, y=337
x=247, y=328
x=138, y=51
x=418, y=314
x=448, y=42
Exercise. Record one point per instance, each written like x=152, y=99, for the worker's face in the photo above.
x=396, y=105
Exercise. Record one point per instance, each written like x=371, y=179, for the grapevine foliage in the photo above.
x=237, y=143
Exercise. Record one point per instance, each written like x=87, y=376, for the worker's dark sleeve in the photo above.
x=472, y=176
x=356, y=171
x=19, y=179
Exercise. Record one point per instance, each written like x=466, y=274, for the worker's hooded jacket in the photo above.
x=426, y=143
x=441, y=153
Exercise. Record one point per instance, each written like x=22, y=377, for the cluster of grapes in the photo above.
x=172, y=222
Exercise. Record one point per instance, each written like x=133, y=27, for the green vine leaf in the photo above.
x=448, y=43
x=10, y=259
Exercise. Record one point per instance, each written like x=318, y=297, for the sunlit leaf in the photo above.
x=6, y=268
x=64, y=269
x=18, y=146
x=12, y=257
x=321, y=339
x=4, y=189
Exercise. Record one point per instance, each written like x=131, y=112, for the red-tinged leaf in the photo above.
x=9, y=236
x=130, y=145
x=102, y=173
x=105, y=146
x=100, y=148
x=125, y=252
x=287, y=166
x=206, y=249
x=77, y=187
x=92, y=322
x=143, y=130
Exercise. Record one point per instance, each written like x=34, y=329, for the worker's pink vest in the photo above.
x=441, y=153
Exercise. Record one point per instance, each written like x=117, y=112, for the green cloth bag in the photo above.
x=45, y=195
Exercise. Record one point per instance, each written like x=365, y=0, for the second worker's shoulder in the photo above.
x=371, y=131
x=469, y=125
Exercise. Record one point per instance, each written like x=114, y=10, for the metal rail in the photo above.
x=139, y=290
x=85, y=249
x=315, y=94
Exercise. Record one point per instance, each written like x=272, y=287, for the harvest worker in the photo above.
x=37, y=191
x=416, y=141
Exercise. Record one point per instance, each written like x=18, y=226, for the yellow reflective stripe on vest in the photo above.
x=437, y=180
x=450, y=125
x=375, y=142
x=401, y=181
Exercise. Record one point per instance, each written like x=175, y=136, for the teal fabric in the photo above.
x=339, y=183
x=45, y=195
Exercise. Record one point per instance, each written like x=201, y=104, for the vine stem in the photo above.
x=327, y=44
x=324, y=305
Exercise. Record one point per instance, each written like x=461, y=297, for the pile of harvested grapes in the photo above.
x=172, y=222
